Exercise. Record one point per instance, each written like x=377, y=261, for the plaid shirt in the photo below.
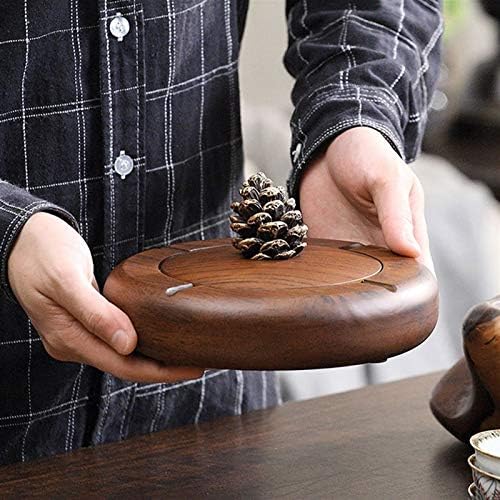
x=85, y=82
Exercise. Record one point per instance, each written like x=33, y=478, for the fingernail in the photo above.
x=120, y=341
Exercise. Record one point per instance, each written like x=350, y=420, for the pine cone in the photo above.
x=266, y=221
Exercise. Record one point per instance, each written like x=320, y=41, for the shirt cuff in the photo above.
x=319, y=118
x=16, y=206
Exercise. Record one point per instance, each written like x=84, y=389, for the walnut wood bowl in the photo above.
x=338, y=303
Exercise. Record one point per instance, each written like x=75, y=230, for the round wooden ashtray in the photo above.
x=338, y=303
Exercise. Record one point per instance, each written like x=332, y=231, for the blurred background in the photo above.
x=460, y=172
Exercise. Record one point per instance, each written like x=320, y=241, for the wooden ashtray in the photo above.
x=338, y=303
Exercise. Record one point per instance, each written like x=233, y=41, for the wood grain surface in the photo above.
x=336, y=304
x=467, y=399
x=376, y=443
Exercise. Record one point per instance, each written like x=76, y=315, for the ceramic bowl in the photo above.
x=487, y=485
x=487, y=447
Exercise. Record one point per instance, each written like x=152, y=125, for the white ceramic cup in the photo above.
x=487, y=447
x=486, y=485
x=472, y=490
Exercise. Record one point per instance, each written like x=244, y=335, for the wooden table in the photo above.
x=377, y=442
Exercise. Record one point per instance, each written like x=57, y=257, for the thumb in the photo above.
x=99, y=316
x=392, y=200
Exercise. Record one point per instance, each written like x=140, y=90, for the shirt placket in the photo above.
x=122, y=101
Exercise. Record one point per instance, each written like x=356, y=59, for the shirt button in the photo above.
x=123, y=165
x=119, y=26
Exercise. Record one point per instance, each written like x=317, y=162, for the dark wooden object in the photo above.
x=376, y=443
x=467, y=399
x=336, y=304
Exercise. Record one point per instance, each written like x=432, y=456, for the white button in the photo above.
x=124, y=165
x=119, y=26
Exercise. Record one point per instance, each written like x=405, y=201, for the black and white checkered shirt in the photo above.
x=83, y=82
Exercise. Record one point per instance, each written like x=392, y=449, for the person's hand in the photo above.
x=50, y=270
x=360, y=190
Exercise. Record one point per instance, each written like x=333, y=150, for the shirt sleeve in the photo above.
x=16, y=207
x=371, y=63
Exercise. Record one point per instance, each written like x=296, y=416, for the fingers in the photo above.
x=98, y=315
x=87, y=348
x=51, y=271
x=134, y=368
x=370, y=196
x=417, y=202
x=392, y=200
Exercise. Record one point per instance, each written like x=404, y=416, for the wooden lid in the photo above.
x=338, y=303
x=223, y=268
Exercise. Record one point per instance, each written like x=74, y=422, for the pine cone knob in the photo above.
x=266, y=221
